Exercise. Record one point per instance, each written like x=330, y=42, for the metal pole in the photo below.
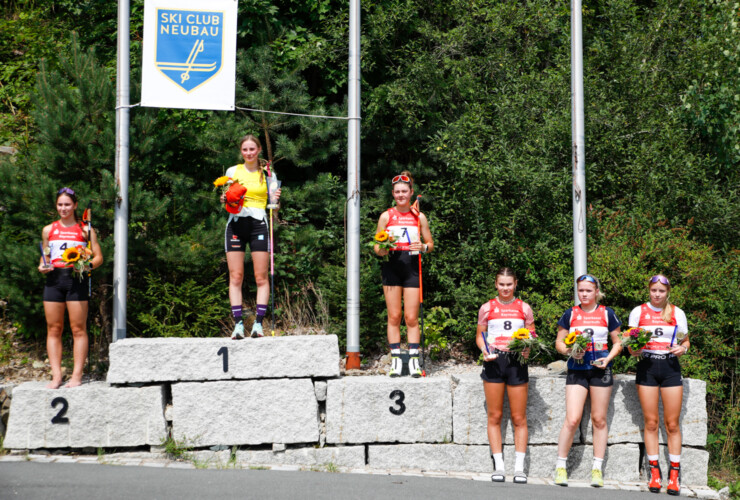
x=579, y=147
x=353, y=191
x=120, y=227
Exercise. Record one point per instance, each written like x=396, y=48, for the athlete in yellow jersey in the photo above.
x=247, y=224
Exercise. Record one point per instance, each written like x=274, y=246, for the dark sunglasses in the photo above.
x=587, y=277
x=401, y=178
x=659, y=278
x=66, y=190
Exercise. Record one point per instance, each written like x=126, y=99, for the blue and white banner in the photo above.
x=189, y=58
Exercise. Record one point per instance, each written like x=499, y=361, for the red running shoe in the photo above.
x=674, y=479
x=656, y=477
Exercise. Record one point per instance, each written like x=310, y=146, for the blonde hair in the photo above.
x=261, y=162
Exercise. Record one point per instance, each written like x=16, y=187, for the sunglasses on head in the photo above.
x=66, y=190
x=659, y=278
x=587, y=277
x=401, y=178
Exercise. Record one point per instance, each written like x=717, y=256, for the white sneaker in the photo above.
x=414, y=368
x=257, y=330
x=396, y=367
x=238, y=332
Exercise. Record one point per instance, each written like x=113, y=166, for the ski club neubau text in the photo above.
x=171, y=23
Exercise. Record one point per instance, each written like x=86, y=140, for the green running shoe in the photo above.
x=561, y=477
x=597, y=478
x=238, y=332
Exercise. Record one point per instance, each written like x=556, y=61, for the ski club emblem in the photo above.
x=189, y=46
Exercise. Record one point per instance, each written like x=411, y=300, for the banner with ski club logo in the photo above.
x=189, y=57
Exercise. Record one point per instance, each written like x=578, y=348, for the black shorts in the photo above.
x=505, y=369
x=659, y=372
x=243, y=230
x=595, y=377
x=62, y=285
x=401, y=269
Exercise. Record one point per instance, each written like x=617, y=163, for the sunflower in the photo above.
x=221, y=181
x=71, y=255
x=571, y=338
x=381, y=236
x=521, y=334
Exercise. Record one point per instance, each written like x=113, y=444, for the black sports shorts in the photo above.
x=401, y=269
x=505, y=369
x=659, y=372
x=243, y=230
x=62, y=285
x=595, y=377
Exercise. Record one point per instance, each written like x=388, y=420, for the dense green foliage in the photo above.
x=472, y=97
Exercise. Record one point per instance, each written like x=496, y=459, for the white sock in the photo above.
x=653, y=458
x=413, y=352
x=519, y=462
x=395, y=352
x=561, y=463
x=498, y=462
x=674, y=458
x=598, y=462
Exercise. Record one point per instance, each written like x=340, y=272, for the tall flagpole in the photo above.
x=120, y=226
x=579, y=146
x=353, y=190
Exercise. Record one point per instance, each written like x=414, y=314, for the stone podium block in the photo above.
x=388, y=410
x=92, y=415
x=545, y=411
x=196, y=359
x=621, y=460
x=625, y=419
x=249, y=412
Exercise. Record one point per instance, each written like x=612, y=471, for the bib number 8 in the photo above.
x=507, y=325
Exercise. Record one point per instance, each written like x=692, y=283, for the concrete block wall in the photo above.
x=244, y=399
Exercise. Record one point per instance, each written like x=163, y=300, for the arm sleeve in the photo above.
x=483, y=314
x=683, y=325
x=634, y=319
x=564, y=321
x=230, y=171
x=614, y=322
x=528, y=317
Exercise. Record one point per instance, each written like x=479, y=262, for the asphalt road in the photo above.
x=32, y=481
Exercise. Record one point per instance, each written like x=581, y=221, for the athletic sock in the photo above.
x=261, y=311
x=561, y=463
x=674, y=459
x=236, y=311
x=653, y=458
x=598, y=462
x=519, y=462
x=498, y=462
x=413, y=349
x=395, y=349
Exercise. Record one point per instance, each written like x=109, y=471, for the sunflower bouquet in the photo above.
x=79, y=258
x=223, y=182
x=383, y=239
x=577, y=341
x=636, y=338
x=521, y=340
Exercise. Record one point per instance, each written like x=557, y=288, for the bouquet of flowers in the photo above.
x=522, y=339
x=636, y=338
x=223, y=182
x=383, y=239
x=578, y=342
x=79, y=257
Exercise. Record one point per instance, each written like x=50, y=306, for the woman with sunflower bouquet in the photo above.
x=498, y=319
x=407, y=226
x=64, y=243
x=589, y=372
x=245, y=200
